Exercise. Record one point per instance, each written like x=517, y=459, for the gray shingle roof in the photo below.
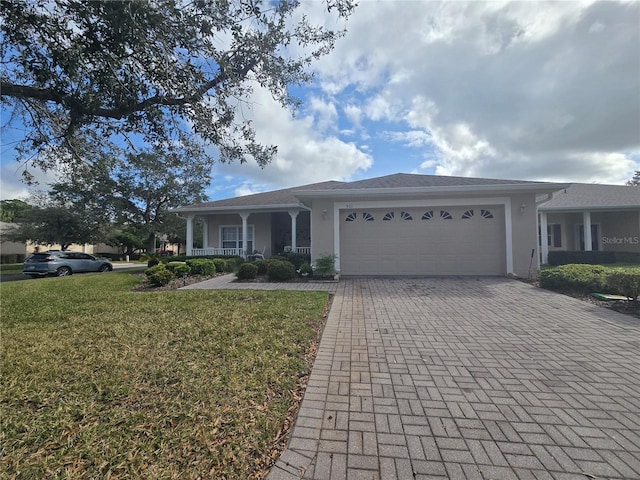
x=594, y=196
x=287, y=196
x=406, y=180
x=284, y=196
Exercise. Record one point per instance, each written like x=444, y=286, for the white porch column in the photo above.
x=544, y=239
x=205, y=233
x=189, y=235
x=245, y=244
x=586, y=216
x=294, y=215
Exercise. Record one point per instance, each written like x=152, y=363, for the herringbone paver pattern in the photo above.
x=469, y=379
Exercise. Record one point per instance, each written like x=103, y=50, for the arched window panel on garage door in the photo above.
x=467, y=214
x=406, y=216
x=367, y=217
x=486, y=213
x=445, y=215
x=428, y=215
x=388, y=216
x=351, y=217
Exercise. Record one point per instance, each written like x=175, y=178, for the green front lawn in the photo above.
x=99, y=381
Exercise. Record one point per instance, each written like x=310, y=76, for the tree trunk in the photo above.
x=151, y=244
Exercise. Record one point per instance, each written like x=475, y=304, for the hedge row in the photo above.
x=277, y=270
x=592, y=257
x=160, y=273
x=585, y=278
x=12, y=258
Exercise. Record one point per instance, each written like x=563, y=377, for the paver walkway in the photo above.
x=469, y=379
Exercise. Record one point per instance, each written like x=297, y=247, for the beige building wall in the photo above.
x=524, y=237
x=524, y=234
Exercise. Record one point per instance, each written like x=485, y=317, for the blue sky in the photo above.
x=523, y=90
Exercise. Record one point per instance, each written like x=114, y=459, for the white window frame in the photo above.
x=251, y=237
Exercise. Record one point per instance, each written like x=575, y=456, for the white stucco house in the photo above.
x=398, y=224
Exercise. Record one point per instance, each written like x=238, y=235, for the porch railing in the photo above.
x=236, y=251
x=217, y=251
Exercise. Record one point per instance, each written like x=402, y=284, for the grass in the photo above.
x=99, y=381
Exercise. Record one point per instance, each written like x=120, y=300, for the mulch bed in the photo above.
x=621, y=306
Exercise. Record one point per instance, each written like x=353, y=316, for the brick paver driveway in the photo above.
x=466, y=378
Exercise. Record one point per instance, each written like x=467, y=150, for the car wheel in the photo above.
x=63, y=271
x=105, y=268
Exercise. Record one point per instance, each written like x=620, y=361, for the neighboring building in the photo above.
x=12, y=252
x=591, y=217
x=394, y=225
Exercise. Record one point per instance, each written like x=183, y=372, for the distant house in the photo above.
x=14, y=252
x=399, y=224
x=591, y=217
x=10, y=252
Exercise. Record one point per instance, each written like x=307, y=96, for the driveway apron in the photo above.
x=468, y=378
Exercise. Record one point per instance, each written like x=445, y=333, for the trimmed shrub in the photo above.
x=625, y=282
x=247, y=271
x=202, y=266
x=280, y=270
x=591, y=258
x=576, y=277
x=153, y=261
x=325, y=265
x=12, y=258
x=220, y=263
x=233, y=263
x=296, y=258
x=306, y=270
x=177, y=258
x=262, y=266
x=179, y=269
x=159, y=275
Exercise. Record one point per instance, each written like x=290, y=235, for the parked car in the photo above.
x=63, y=263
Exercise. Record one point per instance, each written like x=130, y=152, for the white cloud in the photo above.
x=12, y=186
x=509, y=89
x=307, y=150
x=324, y=113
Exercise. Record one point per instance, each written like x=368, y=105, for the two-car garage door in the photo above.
x=423, y=241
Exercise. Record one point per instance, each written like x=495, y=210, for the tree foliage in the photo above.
x=136, y=191
x=9, y=209
x=635, y=181
x=168, y=72
x=127, y=240
x=55, y=224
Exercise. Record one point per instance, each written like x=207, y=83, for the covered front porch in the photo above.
x=251, y=234
x=616, y=230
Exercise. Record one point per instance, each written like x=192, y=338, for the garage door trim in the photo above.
x=456, y=202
